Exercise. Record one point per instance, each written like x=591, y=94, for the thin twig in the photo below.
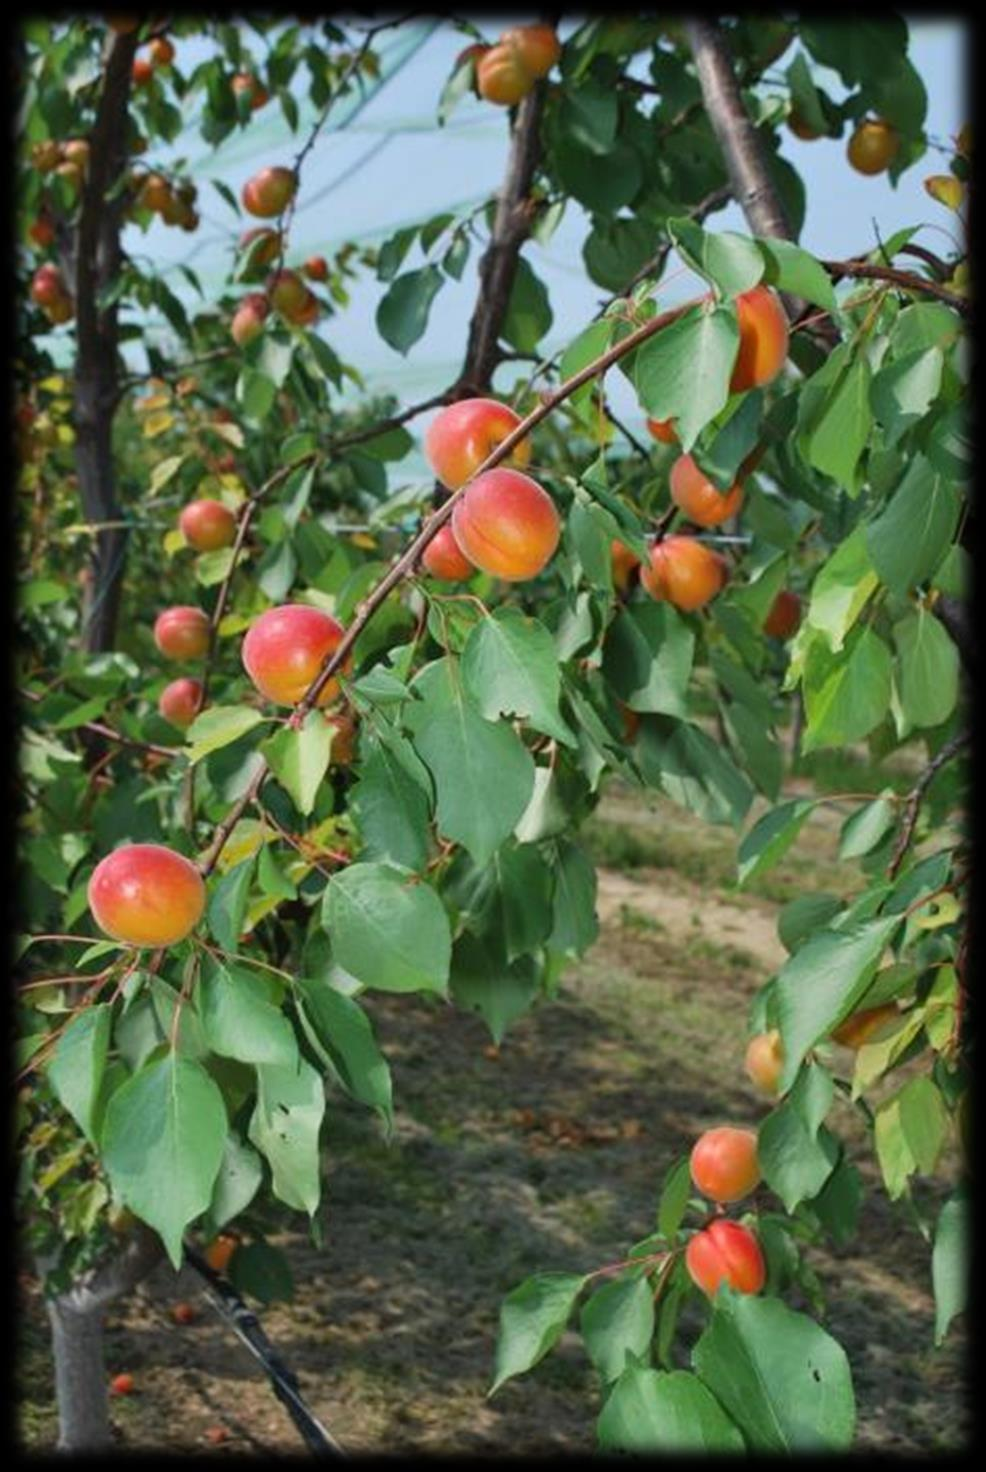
x=916, y=796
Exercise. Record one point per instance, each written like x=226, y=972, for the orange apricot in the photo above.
x=873, y=146
x=268, y=192
x=699, y=498
x=146, y=895
x=184, y=1313
x=181, y=701
x=724, y=1164
x=784, y=616
x=248, y=319
x=623, y=561
x=443, y=557
x=764, y=1060
x=207, y=525
x=506, y=524
x=502, y=77
x=245, y=84
x=264, y=254
x=684, y=572
x=48, y=286
x=162, y=51
x=461, y=437
x=861, y=1026
x=142, y=71
x=122, y=1384
x=287, y=293
x=763, y=341
x=182, y=632
x=725, y=1252
x=285, y=648
x=538, y=47
x=316, y=268
x=663, y=430
x=220, y=1250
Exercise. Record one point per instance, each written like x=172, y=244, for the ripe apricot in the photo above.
x=537, y=46
x=248, y=319
x=262, y=255
x=244, y=84
x=507, y=525
x=663, y=430
x=684, y=572
x=162, y=51
x=76, y=151
x=181, y=701
x=184, y=1313
x=724, y=1163
x=699, y=498
x=725, y=1252
x=207, y=525
x=764, y=1060
x=623, y=561
x=48, y=286
x=763, y=339
x=802, y=129
x=146, y=895
x=122, y=1384
x=182, y=632
x=873, y=146
x=502, y=77
x=316, y=268
x=784, y=616
x=287, y=293
x=155, y=194
x=142, y=71
x=861, y=1026
x=443, y=557
x=461, y=437
x=268, y=192
x=285, y=648
x=220, y=1250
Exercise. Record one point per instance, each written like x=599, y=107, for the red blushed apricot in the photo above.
x=142, y=71
x=286, y=647
x=248, y=319
x=48, y=286
x=507, y=525
x=162, y=51
x=763, y=339
x=207, y=525
x=316, y=268
x=764, y=1060
x=461, y=437
x=308, y=312
x=502, y=77
x=267, y=252
x=695, y=494
x=538, y=48
x=684, y=572
x=443, y=557
x=663, y=430
x=287, y=293
x=146, y=895
x=724, y=1164
x=182, y=632
x=725, y=1252
x=861, y=1026
x=181, y=701
x=253, y=88
x=622, y=562
x=122, y=1384
x=267, y=193
x=220, y=1250
x=784, y=616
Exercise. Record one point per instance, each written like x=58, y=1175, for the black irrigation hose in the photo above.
x=246, y=1326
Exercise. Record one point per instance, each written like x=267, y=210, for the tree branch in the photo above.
x=906, y=280
x=916, y=795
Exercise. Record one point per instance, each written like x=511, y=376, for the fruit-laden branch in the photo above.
x=408, y=558
x=916, y=796
x=98, y=261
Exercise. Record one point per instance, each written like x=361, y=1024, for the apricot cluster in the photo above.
x=725, y=1168
x=68, y=160
x=507, y=71
x=49, y=292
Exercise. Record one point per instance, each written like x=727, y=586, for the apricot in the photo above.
x=285, y=648
x=181, y=701
x=698, y=497
x=216, y=1434
x=162, y=51
x=47, y=286
x=802, y=129
x=724, y=1164
x=538, y=48
x=155, y=194
x=248, y=319
x=182, y=632
x=61, y=311
x=122, y=1384
x=725, y=1252
x=316, y=268
x=142, y=71
x=461, y=437
x=507, y=525
x=784, y=616
x=207, y=525
x=502, y=77
x=268, y=193
x=266, y=253
x=308, y=313
x=663, y=430
x=184, y=1313
x=684, y=572
x=873, y=146
x=861, y=1026
x=622, y=562
x=146, y=895
x=763, y=339
x=46, y=155
x=288, y=294
x=764, y=1060
x=244, y=84
x=443, y=557
x=220, y=1250
x=76, y=151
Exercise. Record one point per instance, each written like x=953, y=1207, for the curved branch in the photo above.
x=906, y=280
x=916, y=796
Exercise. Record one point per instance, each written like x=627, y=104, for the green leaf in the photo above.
x=753, y=744
x=344, y=1032
x=868, y=824
x=529, y=314
x=950, y=1261
x=791, y=269
x=238, y=1181
x=820, y=984
x=848, y=694
x=261, y=1271
x=841, y=588
x=402, y=314
x=801, y=916
x=285, y=1126
x=674, y=1198
x=386, y=931
x=647, y=657
x=299, y=758
x=929, y=668
x=618, y=1319
x=907, y=541
x=770, y=838
x=603, y=182
x=796, y=1155
x=217, y=727
x=782, y=1379
x=162, y=1145
x=910, y=1129
x=509, y=667
x=255, y=393
x=484, y=982
x=75, y=1071
x=532, y=1320
x=391, y=810
x=651, y=1411
x=837, y=418
x=683, y=372
x=575, y=925
x=693, y=770
x=614, y=252
x=731, y=262
x=903, y=391
x=238, y=1019
x=227, y=905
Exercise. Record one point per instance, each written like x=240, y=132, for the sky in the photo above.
x=382, y=163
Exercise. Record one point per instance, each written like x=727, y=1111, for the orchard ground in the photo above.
x=393, y=1326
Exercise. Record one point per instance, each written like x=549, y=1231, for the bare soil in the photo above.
x=547, y=1153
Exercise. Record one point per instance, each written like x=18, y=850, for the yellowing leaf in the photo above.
x=948, y=190
x=53, y=385
x=231, y=433
x=245, y=839
x=234, y=623
x=156, y=424
x=361, y=539
x=152, y=401
x=173, y=541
